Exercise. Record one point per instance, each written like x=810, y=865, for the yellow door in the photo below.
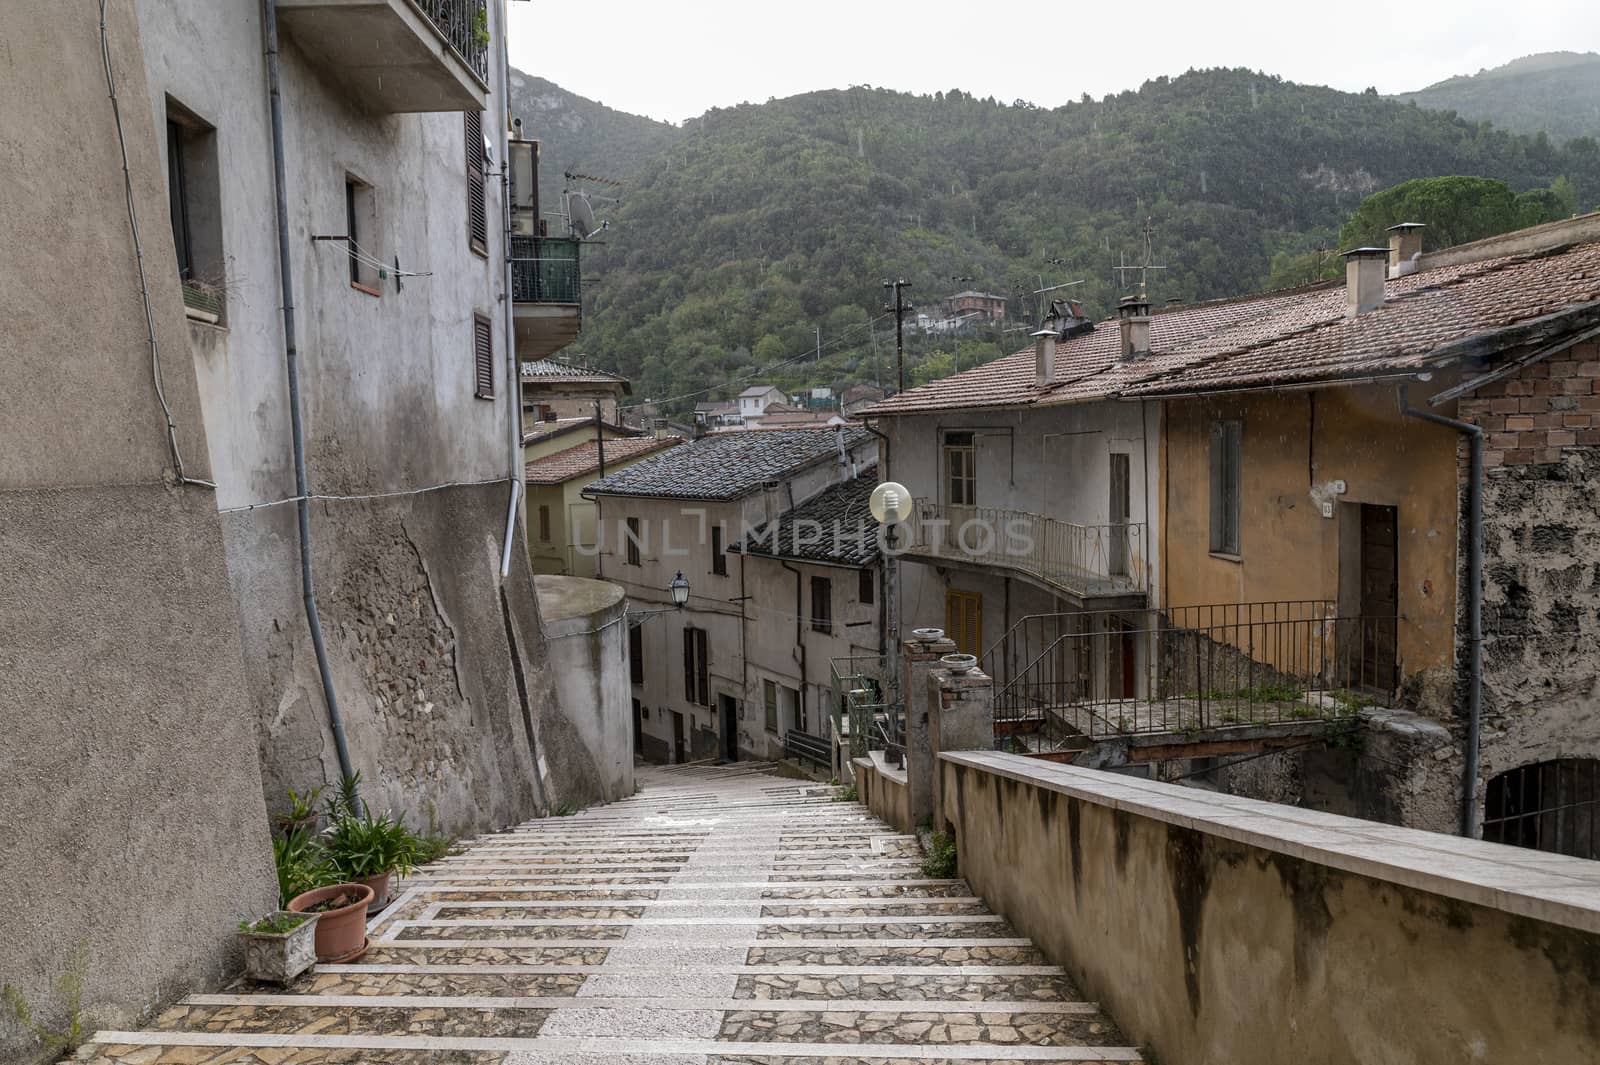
x=963, y=620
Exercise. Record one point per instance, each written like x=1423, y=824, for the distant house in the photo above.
x=984, y=305
x=717, y=414
x=561, y=522
x=859, y=397
x=555, y=388
x=754, y=400
x=695, y=694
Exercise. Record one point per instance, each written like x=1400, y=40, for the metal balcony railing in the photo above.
x=545, y=270
x=1082, y=560
x=464, y=24
x=862, y=709
x=1098, y=674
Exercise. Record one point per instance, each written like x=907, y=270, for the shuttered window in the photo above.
x=696, y=667
x=544, y=523
x=1225, y=483
x=636, y=655
x=477, y=207
x=822, y=604
x=867, y=586
x=482, y=357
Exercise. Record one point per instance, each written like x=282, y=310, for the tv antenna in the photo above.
x=577, y=205
x=1145, y=267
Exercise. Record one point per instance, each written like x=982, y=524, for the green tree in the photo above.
x=1455, y=209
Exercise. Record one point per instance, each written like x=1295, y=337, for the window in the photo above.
x=1549, y=806
x=961, y=472
x=866, y=586
x=1225, y=487
x=360, y=224
x=963, y=620
x=482, y=357
x=769, y=700
x=719, y=559
x=544, y=523
x=1121, y=503
x=797, y=709
x=636, y=654
x=696, y=667
x=194, y=202
x=633, y=540
x=822, y=604
x=477, y=207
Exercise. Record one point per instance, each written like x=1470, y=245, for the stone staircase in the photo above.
x=722, y=916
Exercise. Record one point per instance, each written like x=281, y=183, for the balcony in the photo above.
x=397, y=56
x=1083, y=562
x=546, y=293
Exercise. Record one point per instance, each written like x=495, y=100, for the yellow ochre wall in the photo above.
x=1293, y=445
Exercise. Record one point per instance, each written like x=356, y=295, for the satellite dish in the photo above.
x=580, y=215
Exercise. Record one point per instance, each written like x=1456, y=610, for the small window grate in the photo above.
x=1548, y=806
x=482, y=357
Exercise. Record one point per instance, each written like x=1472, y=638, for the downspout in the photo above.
x=799, y=635
x=291, y=357
x=1474, y=435
x=513, y=376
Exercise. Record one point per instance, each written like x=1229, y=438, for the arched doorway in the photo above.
x=1548, y=806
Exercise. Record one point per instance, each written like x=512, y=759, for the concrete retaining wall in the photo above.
x=1217, y=929
x=883, y=790
x=586, y=629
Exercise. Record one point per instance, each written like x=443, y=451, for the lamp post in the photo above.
x=678, y=588
x=890, y=505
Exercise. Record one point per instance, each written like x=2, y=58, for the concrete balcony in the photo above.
x=546, y=294
x=396, y=56
x=1103, y=563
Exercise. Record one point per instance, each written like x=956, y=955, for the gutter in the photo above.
x=513, y=375
x=1469, y=776
x=291, y=355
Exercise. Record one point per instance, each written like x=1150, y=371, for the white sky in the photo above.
x=676, y=60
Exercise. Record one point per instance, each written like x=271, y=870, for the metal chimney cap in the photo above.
x=1044, y=333
x=1406, y=227
x=1368, y=252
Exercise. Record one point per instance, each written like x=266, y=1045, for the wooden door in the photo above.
x=730, y=727
x=1121, y=507
x=679, y=755
x=963, y=621
x=1380, y=587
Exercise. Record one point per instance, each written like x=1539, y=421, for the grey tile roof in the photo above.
x=728, y=465
x=553, y=370
x=838, y=518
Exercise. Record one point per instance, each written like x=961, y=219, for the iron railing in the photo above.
x=1061, y=678
x=545, y=270
x=464, y=24
x=803, y=746
x=863, y=710
x=1548, y=806
x=1082, y=560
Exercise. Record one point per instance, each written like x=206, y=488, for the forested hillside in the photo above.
x=760, y=224
x=1557, y=93
x=580, y=135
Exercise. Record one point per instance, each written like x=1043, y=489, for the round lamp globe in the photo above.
x=890, y=503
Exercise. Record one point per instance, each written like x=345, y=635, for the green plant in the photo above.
x=360, y=847
x=940, y=863
x=301, y=864
x=302, y=812
x=565, y=809
x=480, y=28
x=276, y=925
x=70, y=1036
x=848, y=795
x=346, y=799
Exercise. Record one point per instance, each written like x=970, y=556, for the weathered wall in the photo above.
x=1217, y=929
x=586, y=629
x=130, y=795
x=1541, y=562
x=1293, y=446
x=883, y=791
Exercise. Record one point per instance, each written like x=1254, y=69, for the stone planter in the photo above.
x=958, y=663
x=342, y=931
x=277, y=958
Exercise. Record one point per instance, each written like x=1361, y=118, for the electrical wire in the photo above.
x=809, y=353
x=138, y=253
x=365, y=257
x=315, y=497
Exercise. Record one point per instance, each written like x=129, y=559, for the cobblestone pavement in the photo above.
x=722, y=916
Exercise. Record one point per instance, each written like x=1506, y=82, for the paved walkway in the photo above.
x=722, y=916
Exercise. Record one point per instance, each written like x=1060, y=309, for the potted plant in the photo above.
x=302, y=811
x=958, y=663
x=341, y=924
x=369, y=850
x=280, y=947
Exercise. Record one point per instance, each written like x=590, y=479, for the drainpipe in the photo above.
x=291, y=357
x=513, y=374
x=799, y=633
x=1474, y=435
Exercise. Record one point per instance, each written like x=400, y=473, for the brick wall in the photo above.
x=1529, y=418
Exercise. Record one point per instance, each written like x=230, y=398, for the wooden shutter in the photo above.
x=702, y=668
x=477, y=207
x=688, y=664
x=544, y=523
x=482, y=357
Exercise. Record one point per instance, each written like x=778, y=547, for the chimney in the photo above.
x=1363, y=280
x=1133, y=320
x=661, y=429
x=1044, y=357
x=1405, y=248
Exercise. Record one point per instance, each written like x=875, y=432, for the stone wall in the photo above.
x=1221, y=930
x=586, y=630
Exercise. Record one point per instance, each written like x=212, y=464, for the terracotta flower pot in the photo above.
x=341, y=932
x=380, y=890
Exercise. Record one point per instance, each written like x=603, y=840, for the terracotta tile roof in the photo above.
x=1279, y=338
x=534, y=431
x=838, y=518
x=584, y=459
x=729, y=465
x=555, y=370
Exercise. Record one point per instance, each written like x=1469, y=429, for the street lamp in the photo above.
x=890, y=504
x=678, y=589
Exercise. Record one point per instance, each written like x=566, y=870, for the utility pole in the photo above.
x=899, y=309
x=599, y=438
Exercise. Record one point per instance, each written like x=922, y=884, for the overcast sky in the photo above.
x=676, y=60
